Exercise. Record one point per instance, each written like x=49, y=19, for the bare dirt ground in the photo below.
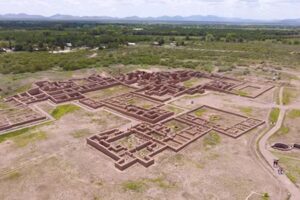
x=77, y=171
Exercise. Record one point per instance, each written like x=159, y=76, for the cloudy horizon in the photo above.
x=247, y=9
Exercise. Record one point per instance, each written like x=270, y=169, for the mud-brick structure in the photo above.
x=18, y=114
x=159, y=86
x=252, y=90
x=126, y=104
x=64, y=91
x=143, y=142
x=144, y=78
x=243, y=126
x=91, y=103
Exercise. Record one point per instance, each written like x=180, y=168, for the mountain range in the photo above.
x=162, y=19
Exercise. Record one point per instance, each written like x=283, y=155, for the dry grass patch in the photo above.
x=293, y=114
x=29, y=137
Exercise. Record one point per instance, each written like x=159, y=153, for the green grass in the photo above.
x=214, y=118
x=200, y=112
x=291, y=177
x=246, y=110
x=242, y=93
x=63, y=110
x=7, y=136
x=274, y=115
x=135, y=186
x=212, y=139
x=291, y=167
x=283, y=130
x=265, y=196
x=287, y=96
x=293, y=114
x=16, y=133
x=29, y=137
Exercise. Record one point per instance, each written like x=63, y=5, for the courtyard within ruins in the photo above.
x=143, y=98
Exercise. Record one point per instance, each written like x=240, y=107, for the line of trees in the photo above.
x=30, y=36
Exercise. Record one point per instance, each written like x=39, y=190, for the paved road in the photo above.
x=269, y=157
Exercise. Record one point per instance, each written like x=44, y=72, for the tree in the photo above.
x=161, y=42
x=209, y=37
x=230, y=37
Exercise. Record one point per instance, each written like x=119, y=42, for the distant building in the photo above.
x=155, y=43
x=69, y=45
x=173, y=44
x=138, y=29
x=131, y=44
x=2, y=50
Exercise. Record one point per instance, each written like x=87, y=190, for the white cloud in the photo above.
x=254, y=9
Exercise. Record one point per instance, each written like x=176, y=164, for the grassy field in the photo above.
x=274, y=115
x=63, y=110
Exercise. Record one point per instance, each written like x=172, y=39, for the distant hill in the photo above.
x=192, y=19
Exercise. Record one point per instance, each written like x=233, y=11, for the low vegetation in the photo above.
x=143, y=184
x=291, y=167
x=293, y=114
x=12, y=134
x=200, y=112
x=230, y=47
x=29, y=137
x=287, y=96
x=283, y=130
x=291, y=177
x=246, y=110
x=63, y=110
x=274, y=115
x=212, y=139
x=173, y=109
x=242, y=93
x=265, y=196
x=135, y=186
x=13, y=175
x=81, y=133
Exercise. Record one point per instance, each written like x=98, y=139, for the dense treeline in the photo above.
x=189, y=46
x=42, y=36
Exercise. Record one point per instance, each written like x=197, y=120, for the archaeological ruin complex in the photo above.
x=159, y=129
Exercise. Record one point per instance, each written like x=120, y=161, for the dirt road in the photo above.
x=268, y=157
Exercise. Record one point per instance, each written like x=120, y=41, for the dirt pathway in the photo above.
x=268, y=157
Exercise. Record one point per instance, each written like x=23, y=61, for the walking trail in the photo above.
x=269, y=157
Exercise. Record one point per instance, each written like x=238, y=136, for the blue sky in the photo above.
x=251, y=9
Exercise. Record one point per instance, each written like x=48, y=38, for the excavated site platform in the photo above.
x=158, y=129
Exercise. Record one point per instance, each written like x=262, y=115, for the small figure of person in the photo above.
x=280, y=171
x=275, y=163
